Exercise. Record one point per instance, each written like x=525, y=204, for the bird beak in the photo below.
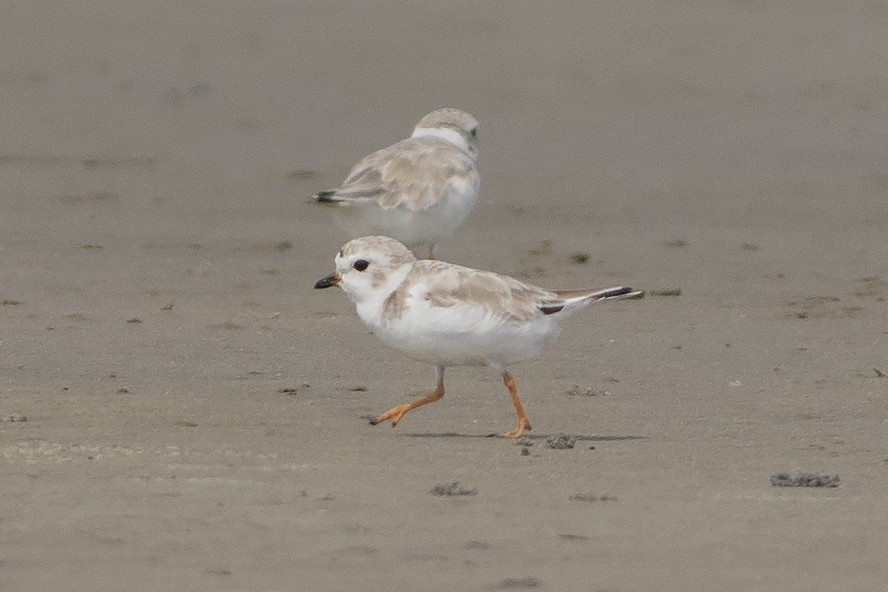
x=327, y=282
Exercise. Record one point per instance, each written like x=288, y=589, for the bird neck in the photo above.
x=443, y=133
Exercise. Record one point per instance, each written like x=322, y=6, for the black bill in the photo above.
x=327, y=282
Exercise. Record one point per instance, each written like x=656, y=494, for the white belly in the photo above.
x=410, y=227
x=454, y=342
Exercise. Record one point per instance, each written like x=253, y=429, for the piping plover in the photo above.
x=418, y=190
x=448, y=315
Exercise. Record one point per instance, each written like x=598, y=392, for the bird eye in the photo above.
x=474, y=132
x=361, y=264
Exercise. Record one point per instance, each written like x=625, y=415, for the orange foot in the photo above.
x=395, y=414
x=523, y=426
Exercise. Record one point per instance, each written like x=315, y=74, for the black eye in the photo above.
x=474, y=132
x=361, y=264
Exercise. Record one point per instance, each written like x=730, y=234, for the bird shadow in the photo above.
x=534, y=437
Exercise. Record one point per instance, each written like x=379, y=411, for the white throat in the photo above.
x=369, y=304
x=443, y=133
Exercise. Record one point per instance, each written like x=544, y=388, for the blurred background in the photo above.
x=738, y=117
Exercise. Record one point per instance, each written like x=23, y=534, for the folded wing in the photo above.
x=415, y=173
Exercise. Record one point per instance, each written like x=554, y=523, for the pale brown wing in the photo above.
x=498, y=296
x=416, y=168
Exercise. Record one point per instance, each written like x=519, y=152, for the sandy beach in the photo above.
x=182, y=411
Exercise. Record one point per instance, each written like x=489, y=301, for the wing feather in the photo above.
x=486, y=294
x=414, y=173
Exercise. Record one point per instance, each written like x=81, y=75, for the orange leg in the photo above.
x=397, y=413
x=523, y=423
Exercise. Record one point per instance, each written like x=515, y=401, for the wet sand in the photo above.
x=196, y=412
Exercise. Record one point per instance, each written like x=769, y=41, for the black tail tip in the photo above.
x=621, y=292
x=325, y=196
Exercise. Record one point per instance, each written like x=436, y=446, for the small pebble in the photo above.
x=588, y=497
x=585, y=391
x=518, y=583
x=451, y=490
x=561, y=442
x=13, y=418
x=804, y=480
